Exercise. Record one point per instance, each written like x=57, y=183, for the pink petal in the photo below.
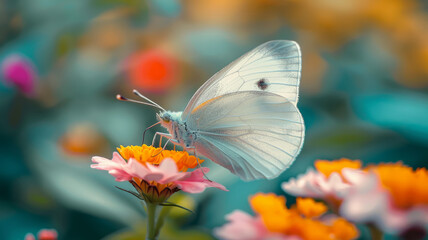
x=316, y=185
x=353, y=176
x=116, y=167
x=305, y=185
x=196, y=183
x=117, y=158
x=169, y=169
x=122, y=170
x=241, y=226
x=138, y=170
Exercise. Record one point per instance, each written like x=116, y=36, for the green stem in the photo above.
x=164, y=212
x=375, y=232
x=151, y=221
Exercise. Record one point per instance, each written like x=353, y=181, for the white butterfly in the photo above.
x=244, y=117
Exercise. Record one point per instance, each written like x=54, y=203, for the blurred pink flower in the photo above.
x=44, y=234
x=369, y=202
x=166, y=173
x=243, y=226
x=316, y=185
x=19, y=71
x=30, y=236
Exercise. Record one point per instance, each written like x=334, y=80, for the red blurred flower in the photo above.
x=152, y=70
x=44, y=234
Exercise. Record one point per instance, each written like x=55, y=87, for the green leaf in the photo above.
x=131, y=192
x=170, y=204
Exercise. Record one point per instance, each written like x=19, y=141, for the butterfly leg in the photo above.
x=164, y=146
x=144, y=133
x=197, y=160
x=161, y=134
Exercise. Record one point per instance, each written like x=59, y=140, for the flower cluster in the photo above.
x=392, y=197
x=156, y=173
x=274, y=220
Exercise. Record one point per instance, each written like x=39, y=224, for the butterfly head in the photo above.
x=169, y=120
x=167, y=116
x=164, y=117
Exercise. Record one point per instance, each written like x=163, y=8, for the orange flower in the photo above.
x=309, y=208
x=343, y=229
x=273, y=211
x=408, y=188
x=295, y=221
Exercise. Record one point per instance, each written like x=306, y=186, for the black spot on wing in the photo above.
x=262, y=84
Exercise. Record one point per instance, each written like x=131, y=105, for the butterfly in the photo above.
x=245, y=117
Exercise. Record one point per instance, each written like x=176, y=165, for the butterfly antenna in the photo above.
x=122, y=98
x=136, y=92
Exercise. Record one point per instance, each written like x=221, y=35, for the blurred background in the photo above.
x=363, y=96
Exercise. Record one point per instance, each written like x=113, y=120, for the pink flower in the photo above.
x=243, y=226
x=368, y=202
x=19, y=71
x=166, y=173
x=316, y=185
x=44, y=234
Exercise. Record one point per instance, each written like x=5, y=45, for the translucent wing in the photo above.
x=274, y=67
x=254, y=134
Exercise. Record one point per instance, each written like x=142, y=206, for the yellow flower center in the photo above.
x=408, y=188
x=328, y=167
x=295, y=221
x=148, y=154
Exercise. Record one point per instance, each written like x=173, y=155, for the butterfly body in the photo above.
x=179, y=132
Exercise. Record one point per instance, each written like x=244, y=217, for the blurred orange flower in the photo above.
x=280, y=222
x=407, y=187
x=84, y=139
x=390, y=196
x=152, y=71
x=309, y=208
x=327, y=167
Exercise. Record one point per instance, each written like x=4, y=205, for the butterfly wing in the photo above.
x=254, y=134
x=274, y=67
